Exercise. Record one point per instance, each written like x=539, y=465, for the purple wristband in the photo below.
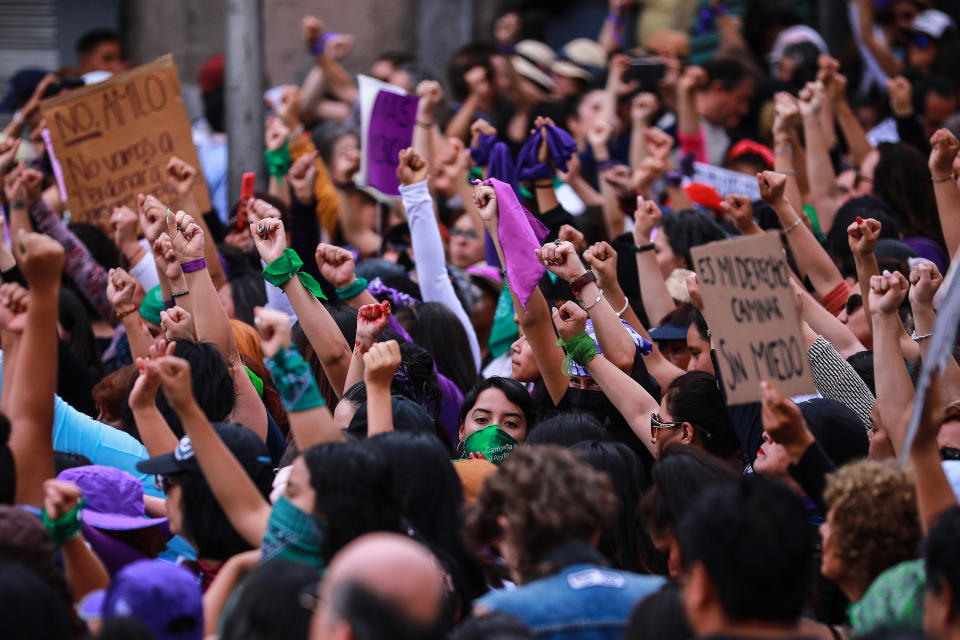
x=194, y=265
x=321, y=43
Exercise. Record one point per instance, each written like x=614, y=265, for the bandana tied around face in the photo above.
x=492, y=442
x=293, y=534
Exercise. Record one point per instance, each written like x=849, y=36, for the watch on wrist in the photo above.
x=577, y=284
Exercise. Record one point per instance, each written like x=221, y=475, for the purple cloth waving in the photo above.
x=520, y=234
x=493, y=154
x=560, y=147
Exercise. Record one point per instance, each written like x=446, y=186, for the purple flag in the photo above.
x=520, y=234
x=391, y=129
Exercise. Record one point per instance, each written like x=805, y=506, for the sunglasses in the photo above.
x=466, y=233
x=854, y=302
x=656, y=423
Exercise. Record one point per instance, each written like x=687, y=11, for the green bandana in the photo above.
x=579, y=349
x=66, y=527
x=893, y=600
x=504, y=331
x=278, y=160
x=294, y=535
x=152, y=305
x=287, y=266
x=294, y=380
x=493, y=442
x=255, y=379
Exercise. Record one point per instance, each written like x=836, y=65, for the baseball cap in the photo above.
x=933, y=23
x=20, y=87
x=163, y=596
x=246, y=446
x=669, y=331
x=114, y=498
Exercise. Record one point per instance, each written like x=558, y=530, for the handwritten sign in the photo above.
x=388, y=116
x=113, y=140
x=749, y=305
x=726, y=181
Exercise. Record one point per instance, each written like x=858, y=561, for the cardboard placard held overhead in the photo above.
x=113, y=140
x=753, y=317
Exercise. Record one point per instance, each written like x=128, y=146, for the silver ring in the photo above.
x=558, y=242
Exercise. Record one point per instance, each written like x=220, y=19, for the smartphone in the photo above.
x=647, y=71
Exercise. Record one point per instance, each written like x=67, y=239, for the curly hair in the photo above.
x=549, y=497
x=874, y=525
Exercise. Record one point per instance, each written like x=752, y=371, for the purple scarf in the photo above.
x=560, y=147
x=520, y=234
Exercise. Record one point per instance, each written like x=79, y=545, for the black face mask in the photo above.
x=591, y=401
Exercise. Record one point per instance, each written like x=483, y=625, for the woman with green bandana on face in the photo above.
x=494, y=418
x=336, y=491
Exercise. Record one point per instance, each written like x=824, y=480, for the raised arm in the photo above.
x=380, y=363
x=808, y=253
x=35, y=376
x=945, y=149
x=82, y=568
x=656, y=297
x=826, y=324
x=614, y=339
x=337, y=266
x=372, y=320
x=126, y=294
x=321, y=329
x=210, y=319
x=785, y=142
x=534, y=320
x=181, y=175
x=836, y=88
x=247, y=510
x=155, y=433
x=688, y=120
x=934, y=493
x=893, y=384
x=603, y=260
x=310, y=420
x=613, y=218
x=642, y=109
x=432, y=276
x=627, y=395
x=823, y=182
x=925, y=279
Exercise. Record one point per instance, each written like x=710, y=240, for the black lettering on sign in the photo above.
x=76, y=124
x=705, y=271
x=734, y=360
x=80, y=168
x=783, y=359
x=755, y=309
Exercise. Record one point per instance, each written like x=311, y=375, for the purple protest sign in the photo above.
x=391, y=129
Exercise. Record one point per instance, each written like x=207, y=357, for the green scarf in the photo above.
x=504, y=331
x=152, y=305
x=293, y=534
x=285, y=267
x=493, y=442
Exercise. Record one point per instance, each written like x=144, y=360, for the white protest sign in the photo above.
x=726, y=181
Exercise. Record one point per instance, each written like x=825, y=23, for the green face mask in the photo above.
x=493, y=442
x=293, y=534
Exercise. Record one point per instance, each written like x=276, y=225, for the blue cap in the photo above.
x=20, y=87
x=165, y=597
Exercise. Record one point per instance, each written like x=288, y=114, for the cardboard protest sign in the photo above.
x=113, y=140
x=387, y=118
x=938, y=351
x=726, y=181
x=752, y=315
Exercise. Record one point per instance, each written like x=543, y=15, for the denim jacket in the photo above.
x=584, y=600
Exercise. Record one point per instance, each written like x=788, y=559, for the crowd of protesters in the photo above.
x=492, y=407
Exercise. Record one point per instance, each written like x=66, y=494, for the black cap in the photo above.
x=245, y=445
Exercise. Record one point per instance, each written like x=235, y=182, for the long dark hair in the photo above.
x=515, y=392
x=687, y=229
x=902, y=180
x=72, y=316
x=695, y=398
x=354, y=496
x=439, y=331
x=618, y=542
x=428, y=490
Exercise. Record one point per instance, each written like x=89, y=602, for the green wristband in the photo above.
x=287, y=266
x=66, y=527
x=298, y=390
x=278, y=160
x=579, y=349
x=353, y=289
